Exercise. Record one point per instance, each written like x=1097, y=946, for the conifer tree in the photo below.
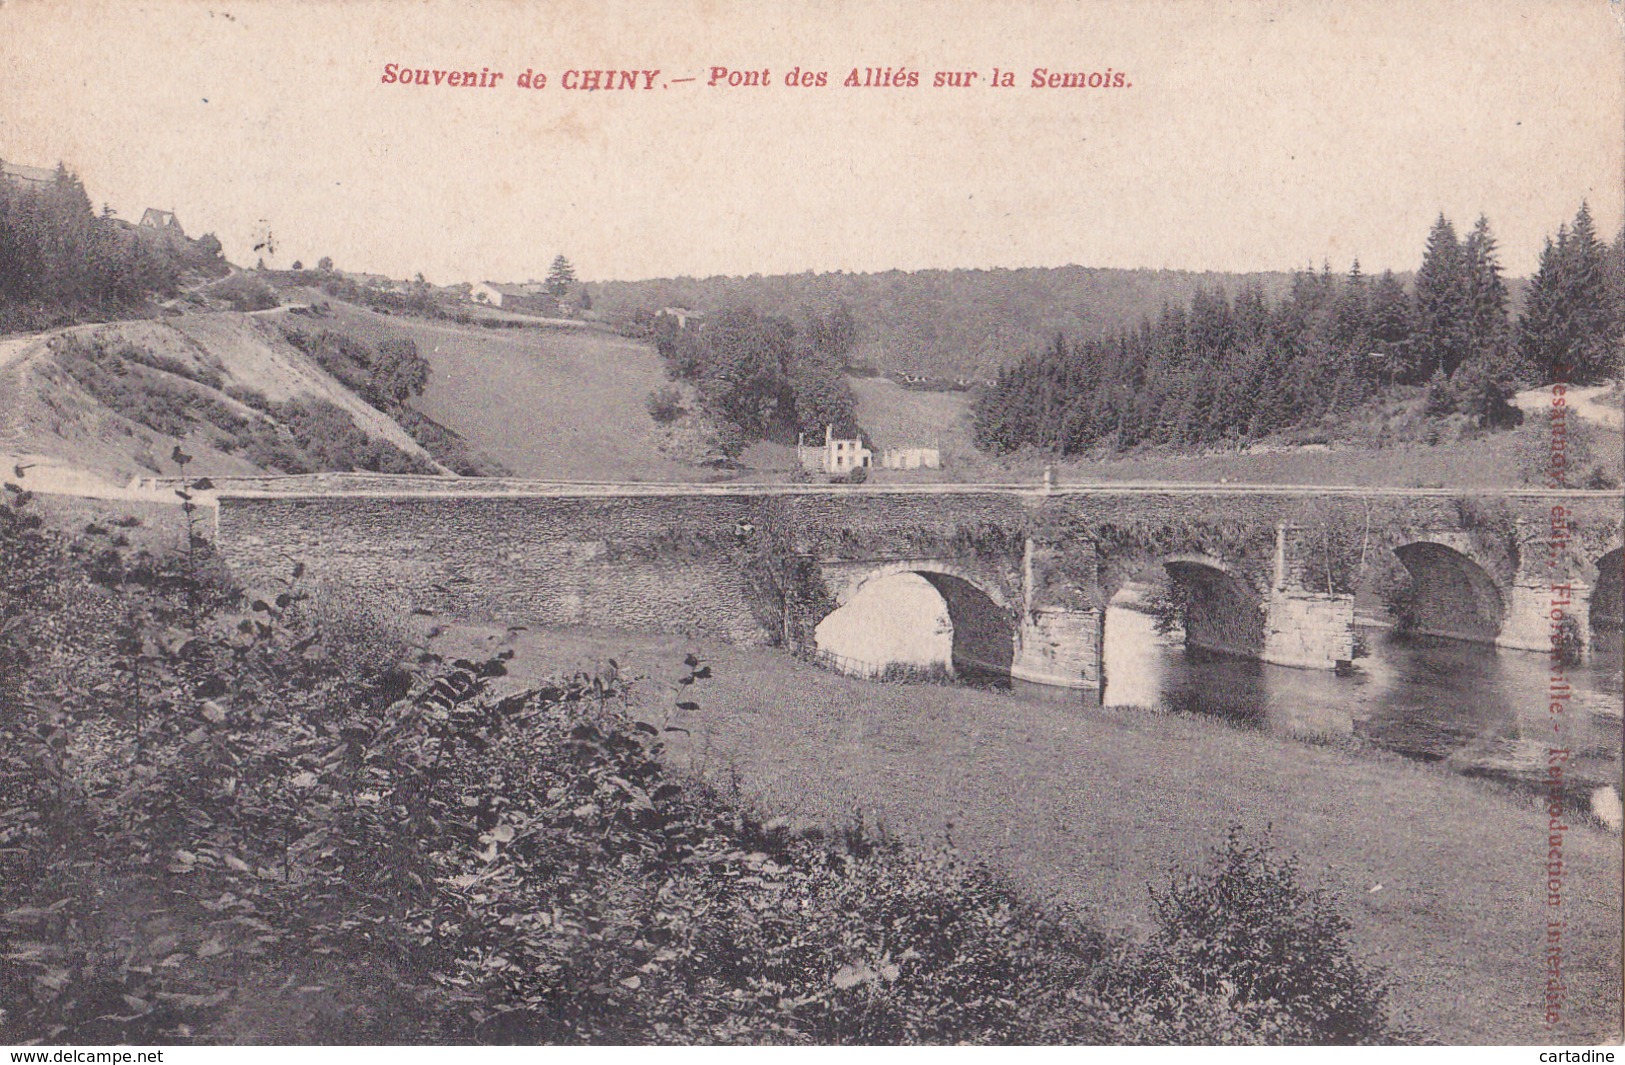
x=1390, y=318
x=560, y=276
x=1351, y=325
x=1488, y=329
x=1568, y=329
x=1441, y=304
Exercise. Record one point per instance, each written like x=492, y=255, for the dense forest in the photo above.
x=62, y=262
x=1225, y=368
x=947, y=324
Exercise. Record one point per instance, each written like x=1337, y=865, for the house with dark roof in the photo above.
x=162, y=221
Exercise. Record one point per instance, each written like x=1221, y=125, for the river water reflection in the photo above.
x=1478, y=709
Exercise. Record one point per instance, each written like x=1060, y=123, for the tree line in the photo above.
x=1224, y=369
x=944, y=324
x=763, y=375
x=61, y=261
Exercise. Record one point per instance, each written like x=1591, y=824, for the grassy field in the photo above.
x=546, y=403
x=1488, y=462
x=894, y=415
x=1440, y=875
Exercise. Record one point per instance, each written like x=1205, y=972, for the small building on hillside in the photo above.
x=836, y=456
x=27, y=176
x=520, y=298
x=911, y=458
x=375, y=282
x=682, y=316
x=163, y=222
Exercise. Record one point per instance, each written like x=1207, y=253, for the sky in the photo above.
x=1255, y=135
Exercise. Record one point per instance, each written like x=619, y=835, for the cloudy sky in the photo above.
x=1253, y=135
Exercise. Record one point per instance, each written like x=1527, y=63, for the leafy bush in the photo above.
x=1245, y=934
x=244, y=292
x=329, y=439
x=910, y=673
x=447, y=446
x=1556, y=452
x=387, y=377
x=666, y=405
x=1476, y=392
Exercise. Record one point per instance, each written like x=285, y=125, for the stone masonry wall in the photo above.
x=681, y=562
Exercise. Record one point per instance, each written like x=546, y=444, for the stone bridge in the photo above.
x=1026, y=573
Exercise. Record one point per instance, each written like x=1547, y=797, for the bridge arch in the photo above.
x=1218, y=608
x=1222, y=610
x=1450, y=594
x=1607, y=608
x=981, y=637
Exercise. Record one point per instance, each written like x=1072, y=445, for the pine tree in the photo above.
x=1351, y=324
x=1542, y=327
x=1614, y=278
x=1489, y=332
x=560, y=276
x=1588, y=298
x=1441, y=304
x=1567, y=331
x=1390, y=317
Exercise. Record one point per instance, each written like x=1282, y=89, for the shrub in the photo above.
x=1568, y=643
x=1441, y=398
x=456, y=861
x=666, y=404
x=1555, y=451
x=1245, y=931
x=448, y=447
x=911, y=673
x=245, y=293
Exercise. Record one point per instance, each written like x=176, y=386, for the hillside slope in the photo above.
x=227, y=388
x=567, y=404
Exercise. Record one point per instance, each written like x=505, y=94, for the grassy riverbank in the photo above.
x=1441, y=875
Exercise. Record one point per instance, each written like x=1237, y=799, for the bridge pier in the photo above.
x=1536, y=610
x=1308, y=630
x=1060, y=647
x=1304, y=628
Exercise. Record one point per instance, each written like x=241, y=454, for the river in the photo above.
x=1475, y=708
x=1480, y=710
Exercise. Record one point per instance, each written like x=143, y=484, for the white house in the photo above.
x=836, y=456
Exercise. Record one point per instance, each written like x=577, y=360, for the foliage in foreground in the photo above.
x=229, y=818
